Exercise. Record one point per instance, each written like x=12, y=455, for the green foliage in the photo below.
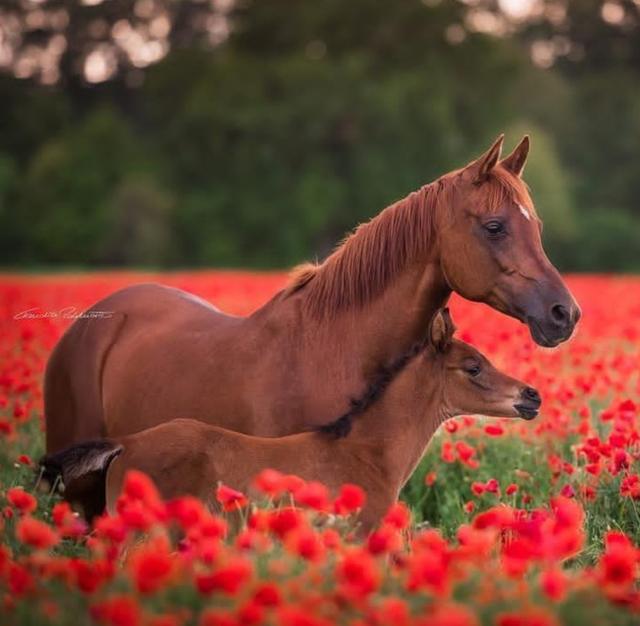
x=64, y=201
x=512, y=461
x=310, y=118
x=611, y=238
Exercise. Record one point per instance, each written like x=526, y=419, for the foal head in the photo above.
x=491, y=250
x=469, y=383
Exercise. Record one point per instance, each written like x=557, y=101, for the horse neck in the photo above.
x=399, y=426
x=373, y=298
x=374, y=334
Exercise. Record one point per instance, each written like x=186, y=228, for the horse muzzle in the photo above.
x=556, y=326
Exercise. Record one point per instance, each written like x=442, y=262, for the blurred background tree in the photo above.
x=253, y=133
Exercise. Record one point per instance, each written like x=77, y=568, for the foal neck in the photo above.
x=399, y=426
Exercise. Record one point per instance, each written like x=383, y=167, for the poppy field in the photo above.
x=505, y=522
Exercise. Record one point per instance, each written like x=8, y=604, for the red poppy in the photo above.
x=630, y=487
x=568, y=492
x=447, y=453
x=230, y=499
x=67, y=521
x=428, y=570
x=292, y=483
x=476, y=543
x=151, y=566
x=358, y=573
x=37, y=534
x=494, y=430
x=398, y=516
x=497, y=517
x=351, y=498
x=568, y=513
x=211, y=527
x=111, y=527
x=20, y=580
x=430, y=479
x=492, y=486
x=228, y=578
x=313, y=495
x=306, y=543
x=138, y=486
x=553, y=583
x=619, y=563
x=135, y=514
x=384, y=539
x=299, y=616
x=271, y=482
x=267, y=594
x=392, y=611
x=331, y=539
x=465, y=451
x=88, y=575
x=117, y=611
x=187, y=511
x=21, y=500
x=283, y=521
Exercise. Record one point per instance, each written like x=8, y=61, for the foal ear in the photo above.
x=516, y=161
x=482, y=167
x=441, y=330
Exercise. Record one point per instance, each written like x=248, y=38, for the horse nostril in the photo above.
x=529, y=393
x=577, y=314
x=560, y=315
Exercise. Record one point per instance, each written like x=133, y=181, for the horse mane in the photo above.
x=369, y=258
x=341, y=427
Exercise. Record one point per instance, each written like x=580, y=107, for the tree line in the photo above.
x=263, y=147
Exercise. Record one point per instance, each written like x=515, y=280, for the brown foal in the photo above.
x=300, y=359
x=439, y=379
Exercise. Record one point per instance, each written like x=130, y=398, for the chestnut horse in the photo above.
x=160, y=353
x=438, y=379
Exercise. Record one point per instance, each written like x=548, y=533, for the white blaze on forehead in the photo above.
x=524, y=211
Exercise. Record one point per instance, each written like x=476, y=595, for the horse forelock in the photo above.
x=504, y=186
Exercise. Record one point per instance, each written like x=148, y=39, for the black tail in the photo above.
x=82, y=468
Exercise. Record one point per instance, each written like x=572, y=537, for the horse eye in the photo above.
x=473, y=370
x=494, y=228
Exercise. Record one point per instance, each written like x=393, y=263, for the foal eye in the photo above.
x=494, y=228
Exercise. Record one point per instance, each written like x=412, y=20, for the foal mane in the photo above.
x=341, y=427
x=369, y=258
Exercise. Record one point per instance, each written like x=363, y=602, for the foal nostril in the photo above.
x=560, y=315
x=529, y=393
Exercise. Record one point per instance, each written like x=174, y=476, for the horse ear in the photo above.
x=441, y=330
x=482, y=167
x=516, y=161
